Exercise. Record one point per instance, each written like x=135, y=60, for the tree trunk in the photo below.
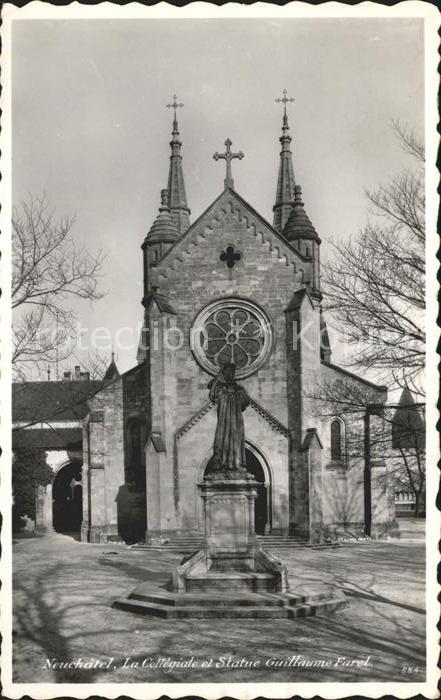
x=418, y=505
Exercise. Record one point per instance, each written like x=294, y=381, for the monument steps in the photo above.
x=231, y=581
x=229, y=573
x=223, y=600
x=280, y=606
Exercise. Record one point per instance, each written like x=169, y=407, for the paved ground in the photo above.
x=64, y=591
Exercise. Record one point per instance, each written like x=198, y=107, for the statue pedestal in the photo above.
x=232, y=559
x=229, y=524
x=232, y=576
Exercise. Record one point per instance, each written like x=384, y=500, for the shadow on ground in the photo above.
x=63, y=594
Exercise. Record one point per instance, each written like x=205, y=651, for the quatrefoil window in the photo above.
x=230, y=256
x=231, y=330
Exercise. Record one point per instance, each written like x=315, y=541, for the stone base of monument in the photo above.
x=232, y=576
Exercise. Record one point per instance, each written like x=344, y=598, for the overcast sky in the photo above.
x=91, y=129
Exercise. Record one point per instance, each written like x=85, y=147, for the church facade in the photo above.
x=231, y=287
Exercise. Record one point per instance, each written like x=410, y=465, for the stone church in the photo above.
x=230, y=287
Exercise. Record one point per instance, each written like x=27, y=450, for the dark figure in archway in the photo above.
x=261, y=514
x=67, y=500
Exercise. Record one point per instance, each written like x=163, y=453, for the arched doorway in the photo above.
x=262, y=506
x=67, y=496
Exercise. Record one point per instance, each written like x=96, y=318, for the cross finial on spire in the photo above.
x=228, y=157
x=284, y=99
x=175, y=105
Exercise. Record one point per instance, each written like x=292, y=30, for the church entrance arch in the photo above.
x=67, y=494
x=257, y=466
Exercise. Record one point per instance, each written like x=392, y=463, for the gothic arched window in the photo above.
x=336, y=440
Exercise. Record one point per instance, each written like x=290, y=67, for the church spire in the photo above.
x=286, y=182
x=177, y=199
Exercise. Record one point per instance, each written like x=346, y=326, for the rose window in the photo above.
x=231, y=330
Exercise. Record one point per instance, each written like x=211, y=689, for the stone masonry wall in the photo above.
x=103, y=468
x=192, y=276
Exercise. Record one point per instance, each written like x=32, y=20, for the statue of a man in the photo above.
x=228, y=460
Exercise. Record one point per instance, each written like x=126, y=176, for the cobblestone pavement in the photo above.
x=63, y=593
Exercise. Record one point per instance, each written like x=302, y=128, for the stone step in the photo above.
x=232, y=611
x=222, y=600
x=189, y=548
x=232, y=581
x=187, y=536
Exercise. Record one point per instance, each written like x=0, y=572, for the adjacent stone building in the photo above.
x=48, y=418
x=231, y=287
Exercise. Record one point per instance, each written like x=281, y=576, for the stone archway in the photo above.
x=67, y=504
x=257, y=466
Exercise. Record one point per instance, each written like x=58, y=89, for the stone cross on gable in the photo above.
x=228, y=157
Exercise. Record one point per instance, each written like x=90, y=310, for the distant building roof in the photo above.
x=408, y=425
x=48, y=439
x=37, y=402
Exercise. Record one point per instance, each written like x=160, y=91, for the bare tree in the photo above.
x=48, y=271
x=374, y=283
x=94, y=363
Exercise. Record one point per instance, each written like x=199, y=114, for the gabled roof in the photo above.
x=226, y=194
x=36, y=402
x=340, y=370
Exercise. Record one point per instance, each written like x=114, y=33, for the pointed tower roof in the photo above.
x=299, y=226
x=177, y=198
x=408, y=423
x=285, y=182
x=112, y=370
x=164, y=229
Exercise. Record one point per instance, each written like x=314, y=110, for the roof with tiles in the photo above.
x=164, y=229
x=48, y=439
x=51, y=401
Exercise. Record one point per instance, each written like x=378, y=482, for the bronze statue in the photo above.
x=228, y=460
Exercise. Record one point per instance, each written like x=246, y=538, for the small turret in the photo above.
x=162, y=235
x=299, y=227
x=302, y=235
